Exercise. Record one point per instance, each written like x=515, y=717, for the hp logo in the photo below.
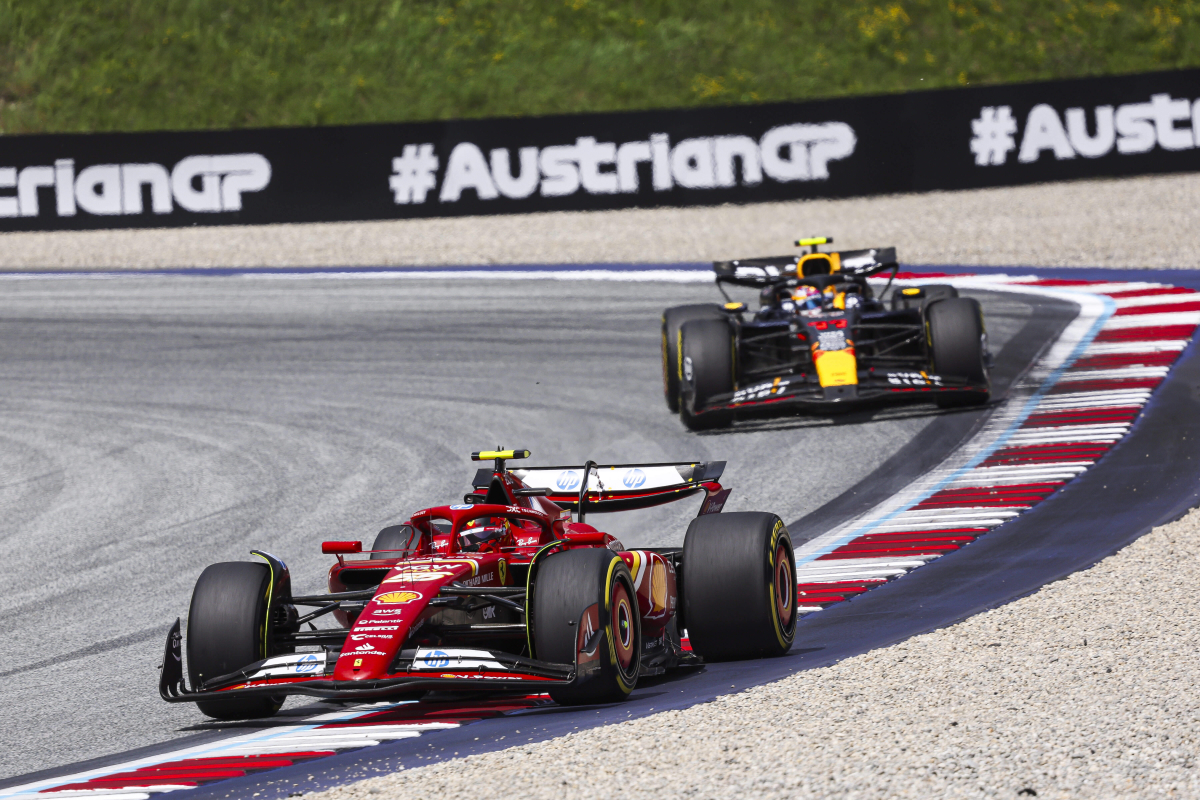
x=634, y=478
x=306, y=664
x=567, y=481
x=437, y=659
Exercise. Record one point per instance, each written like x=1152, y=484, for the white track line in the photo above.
x=1153, y=320
x=1120, y=348
x=617, y=276
x=1117, y=373
x=1156, y=300
x=1120, y=287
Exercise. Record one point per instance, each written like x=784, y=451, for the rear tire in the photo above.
x=707, y=355
x=957, y=344
x=567, y=585
x=226, y=625
x=672, y=320
x=739, y=586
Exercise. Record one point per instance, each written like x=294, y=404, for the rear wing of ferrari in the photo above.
x=618, y=487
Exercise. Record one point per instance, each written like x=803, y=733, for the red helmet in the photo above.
x=485, y=533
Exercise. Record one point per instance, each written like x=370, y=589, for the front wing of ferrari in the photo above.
x=420, y=669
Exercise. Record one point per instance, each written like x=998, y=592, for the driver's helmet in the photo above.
x=806, y=297
x=485, y=531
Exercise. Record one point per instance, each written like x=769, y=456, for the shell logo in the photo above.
x=398, y=597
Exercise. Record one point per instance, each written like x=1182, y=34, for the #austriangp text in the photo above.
x=921, y=141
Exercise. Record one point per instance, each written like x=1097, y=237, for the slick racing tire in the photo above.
x=707, y=356
x=958, y=343
x=930, y=293
x=739, y=586
x=672, y=321
x=589, y=589
x=225, y=630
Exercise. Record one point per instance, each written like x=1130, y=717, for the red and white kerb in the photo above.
x=1076, y=403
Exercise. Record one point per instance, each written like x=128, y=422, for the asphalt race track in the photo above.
x=153, y=426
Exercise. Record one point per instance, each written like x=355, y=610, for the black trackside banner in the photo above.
x=921, y=141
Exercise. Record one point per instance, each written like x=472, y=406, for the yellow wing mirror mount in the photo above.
x=500, y=456
x=814, y=242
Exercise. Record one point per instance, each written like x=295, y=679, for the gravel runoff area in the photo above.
x=1132, y=222
x=1083, y=689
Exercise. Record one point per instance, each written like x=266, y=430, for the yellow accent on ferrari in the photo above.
x=836, y=367
x=635, y=566
x=488, y=455
x=735, y=306
x=658, y=588
x=910, y=292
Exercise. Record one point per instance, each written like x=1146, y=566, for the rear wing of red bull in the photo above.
x=769, y=270
x=621, y=487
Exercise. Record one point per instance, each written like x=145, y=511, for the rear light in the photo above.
x=820, y=325
x=841, y=323
x=340, y=548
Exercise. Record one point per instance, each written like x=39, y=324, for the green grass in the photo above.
x=191, y=64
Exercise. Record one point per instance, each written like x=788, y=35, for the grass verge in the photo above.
x=195, y=64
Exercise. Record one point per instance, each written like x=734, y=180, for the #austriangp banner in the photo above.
x=920, y=141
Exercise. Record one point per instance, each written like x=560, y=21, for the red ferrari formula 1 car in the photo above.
x=503, y=591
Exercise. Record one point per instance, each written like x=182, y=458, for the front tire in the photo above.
x=929, y=293
x=739, y=586
x=707, y=353
x=957, y=344
x=672, y=320
x=568, y=585
x=225, y=632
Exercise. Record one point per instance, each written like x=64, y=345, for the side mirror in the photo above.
x=340, y=548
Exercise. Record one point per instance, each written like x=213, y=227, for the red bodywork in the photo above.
x=398, y=641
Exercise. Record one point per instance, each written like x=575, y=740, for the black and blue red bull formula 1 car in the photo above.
x=505, y=591
x=821, y=339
